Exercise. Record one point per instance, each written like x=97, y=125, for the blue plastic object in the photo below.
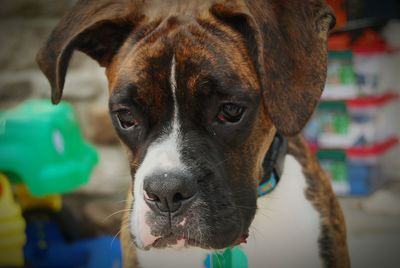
x=363, y=178
x=47, y=248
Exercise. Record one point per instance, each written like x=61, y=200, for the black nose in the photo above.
x=169, y=192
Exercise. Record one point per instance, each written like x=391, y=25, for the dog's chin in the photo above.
x=171, y=241
x=178, y=242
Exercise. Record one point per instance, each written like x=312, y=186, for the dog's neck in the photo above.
x=273, y=165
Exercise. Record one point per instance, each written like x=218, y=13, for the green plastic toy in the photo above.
x=230, y=258
x=41, y=146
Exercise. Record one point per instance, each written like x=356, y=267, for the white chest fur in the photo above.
x=283, y=234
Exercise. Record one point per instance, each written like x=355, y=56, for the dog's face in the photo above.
x=197, y=93
x=197, y=132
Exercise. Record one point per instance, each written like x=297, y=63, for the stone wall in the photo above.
x=24, y=27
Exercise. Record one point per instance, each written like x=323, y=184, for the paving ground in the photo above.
x=373, y=225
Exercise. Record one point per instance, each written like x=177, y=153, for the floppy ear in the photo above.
x=287, y=41
x=95, y=27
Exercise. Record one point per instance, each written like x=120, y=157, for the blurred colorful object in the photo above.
x=229, y=258
x=341, y=79
x=354, y=122
x=43, y=153
x=370, y=42
x=28, y=202
x=12, y=227
x=47, y=247
x=41, y=146
x=354, y=129
x=339, y=6
x=356, y=170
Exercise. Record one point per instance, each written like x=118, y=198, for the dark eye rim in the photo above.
x=235, y=120
x=117, y=116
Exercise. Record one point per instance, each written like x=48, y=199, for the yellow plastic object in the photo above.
x=12, y=227
x=28, y=201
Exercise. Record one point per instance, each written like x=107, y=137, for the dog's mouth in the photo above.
x=177, y=241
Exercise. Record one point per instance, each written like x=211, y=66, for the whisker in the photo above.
x=221, y=162
x=115, y=213
x=259, y=233
x=120, y=230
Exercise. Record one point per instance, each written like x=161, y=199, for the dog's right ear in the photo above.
x=287, y=41
x=95, y=27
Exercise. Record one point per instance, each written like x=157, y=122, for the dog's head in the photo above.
x=198, y=90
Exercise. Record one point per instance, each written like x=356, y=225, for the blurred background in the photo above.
x=354, y=133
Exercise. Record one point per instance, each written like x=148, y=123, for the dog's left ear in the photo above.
x=95, y=27
x=287, y=41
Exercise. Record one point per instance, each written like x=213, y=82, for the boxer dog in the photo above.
x=199, y=93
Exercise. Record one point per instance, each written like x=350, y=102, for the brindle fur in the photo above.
x=333, y=231
x=275, y=48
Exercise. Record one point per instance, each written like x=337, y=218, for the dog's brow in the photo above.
x=123, y=93
x=212, y=87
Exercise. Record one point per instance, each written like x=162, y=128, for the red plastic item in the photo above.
x=373, y=150
x=339, y=6
x=370, y=42
x=339, y=42
x=373, y=100
x=364, y=151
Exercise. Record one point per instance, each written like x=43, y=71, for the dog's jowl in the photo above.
x=208, y=97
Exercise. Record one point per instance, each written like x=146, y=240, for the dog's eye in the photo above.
x=126, y=119
x=231, y=113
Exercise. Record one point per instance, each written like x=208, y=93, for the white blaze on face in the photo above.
x=162, y=156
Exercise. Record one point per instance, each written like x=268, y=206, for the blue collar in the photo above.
x=273, y=165
x=267, y=185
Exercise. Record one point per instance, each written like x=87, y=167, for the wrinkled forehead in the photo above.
x=201, y=51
